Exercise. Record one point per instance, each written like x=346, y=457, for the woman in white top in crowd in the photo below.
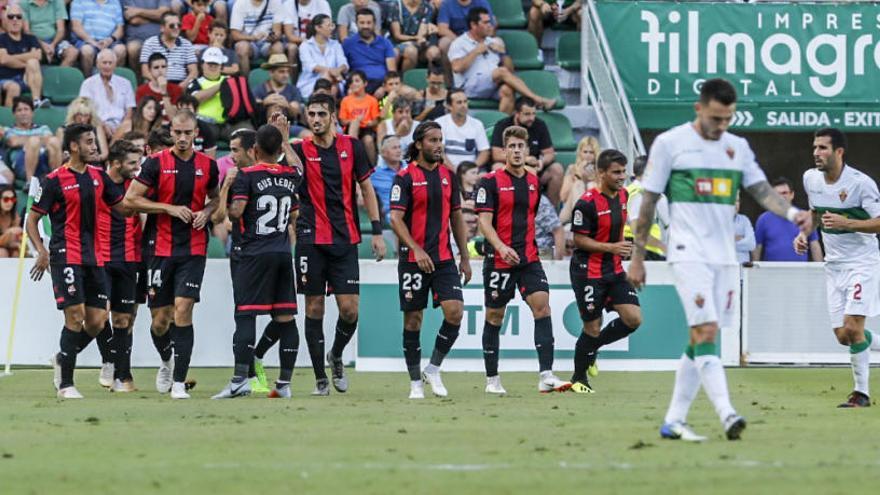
x=321, y=57
x=579, y=176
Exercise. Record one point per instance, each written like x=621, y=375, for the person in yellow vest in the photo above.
x=206, y=89
x=656, y=247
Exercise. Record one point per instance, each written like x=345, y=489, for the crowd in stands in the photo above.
x=143, y=60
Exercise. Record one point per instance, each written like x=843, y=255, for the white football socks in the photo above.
x=687, y=385
x=715, y=384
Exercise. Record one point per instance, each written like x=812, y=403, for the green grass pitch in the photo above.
x=374, y=440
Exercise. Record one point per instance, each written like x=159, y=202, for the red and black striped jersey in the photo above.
x=77, y=204
x=270, y=192
x=182, y=183
x=427, y=198
x=602, y=218
x=124, y=237
x=328, y=193
x=513, y=201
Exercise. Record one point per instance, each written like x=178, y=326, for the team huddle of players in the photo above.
x=100, y=256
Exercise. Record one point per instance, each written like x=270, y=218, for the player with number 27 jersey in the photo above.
x=263, y=280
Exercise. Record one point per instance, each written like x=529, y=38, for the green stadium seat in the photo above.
x=489, y=118
x=566, y=158
x=335, y=5
x=416, y=78
x=508, y=13
x=61, y=84
x=257, y=77
x=480, y=104
x=52, y=117
x=545, y=84
x=6, y=117
x=523, y=49
x=128, y=74
x=568, y=51
x=215, y=248
x=560, y=131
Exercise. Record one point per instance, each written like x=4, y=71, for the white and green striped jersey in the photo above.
x=701, y=177
x=853, y=195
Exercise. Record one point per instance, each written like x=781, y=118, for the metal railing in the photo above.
x=601, y=88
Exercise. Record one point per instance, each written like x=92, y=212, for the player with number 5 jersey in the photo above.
x=263, y=203
x=507, y=202
x=425, y=203
x=848, y=203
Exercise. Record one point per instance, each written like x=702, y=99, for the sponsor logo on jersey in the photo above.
x=39, y=194
x=717, y=186
x=842, y=195
x=603, y=212
x=395, y=193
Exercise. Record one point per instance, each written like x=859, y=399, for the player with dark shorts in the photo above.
x=597, y=275
x=263, y=198
x=123, y=252
x=507, y=202
x=328, y=232
x=425, y=203
x=184, y=184
x=75, y=196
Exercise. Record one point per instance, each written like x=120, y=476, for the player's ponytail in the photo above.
x=412, y=152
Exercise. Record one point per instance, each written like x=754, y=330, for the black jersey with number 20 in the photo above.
x=270, y=192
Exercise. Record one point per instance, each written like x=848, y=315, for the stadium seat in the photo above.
x=545, y=84
x=480, y=104
x=566, y=158
x=568, y=51
x=523, y=49
x=61, y=84
x=415, y=78
x=560, y=131
x=215, y=248
x=335, y=5
x=128, y=74
x=257, y=77
x=6, y=117
x=508, y=13
x=52, y=117
x=489, y=118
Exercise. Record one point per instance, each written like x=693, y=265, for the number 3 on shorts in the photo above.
x=68, y=275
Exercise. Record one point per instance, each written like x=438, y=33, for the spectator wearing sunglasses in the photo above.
x=179, y=53
x=10, y=223
x=16, y=46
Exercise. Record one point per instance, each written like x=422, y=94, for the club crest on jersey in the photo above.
x=494, y=294
x=343, y=155
x=444, y=182
x=395, y=193
x=578, y=218
x=699, y=300
x=71, y=289
x=408, y=295
x=481, y=195
x=842, y=195
x=730, y=152
x=199, y=172
x=95, y=182
x=532, y=187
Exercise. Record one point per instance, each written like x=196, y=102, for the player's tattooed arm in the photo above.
x=767, y=197
x=643, y=224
